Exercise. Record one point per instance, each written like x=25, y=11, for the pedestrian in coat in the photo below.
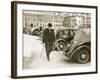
x=48, y=39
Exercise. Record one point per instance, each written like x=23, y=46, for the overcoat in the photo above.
x=48, y=39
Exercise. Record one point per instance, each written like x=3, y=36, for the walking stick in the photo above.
x=42, y=51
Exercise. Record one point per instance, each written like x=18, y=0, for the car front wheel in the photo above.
x=82, y=55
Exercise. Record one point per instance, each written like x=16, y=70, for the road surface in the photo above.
x=34, y=60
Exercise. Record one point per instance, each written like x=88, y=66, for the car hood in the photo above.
x=82, y=36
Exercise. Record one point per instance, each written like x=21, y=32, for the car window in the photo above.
x=60, y=33
x=71, y=33
x=66, y=32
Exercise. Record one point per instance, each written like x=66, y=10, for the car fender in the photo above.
x=60, y=40
x=78, y=48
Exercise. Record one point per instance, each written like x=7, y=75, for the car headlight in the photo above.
x=69, y=45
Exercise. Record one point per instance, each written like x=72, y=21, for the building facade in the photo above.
x=82, y=20
x=32, y=21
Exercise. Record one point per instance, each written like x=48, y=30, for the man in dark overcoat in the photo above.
x=48, y=39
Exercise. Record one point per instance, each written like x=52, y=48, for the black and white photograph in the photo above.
x=50, y=38
x=54, y=39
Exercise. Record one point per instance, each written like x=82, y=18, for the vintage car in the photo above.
x=79, y=49
x=36, y=31
x=63, y=36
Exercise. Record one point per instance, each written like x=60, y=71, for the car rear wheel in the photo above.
x=60, y=45
x=82, y=56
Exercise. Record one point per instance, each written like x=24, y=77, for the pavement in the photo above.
x=35, y=56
